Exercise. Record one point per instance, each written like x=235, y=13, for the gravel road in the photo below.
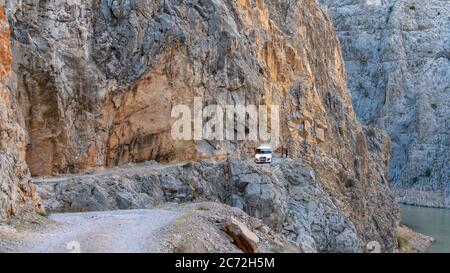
x=132, y=231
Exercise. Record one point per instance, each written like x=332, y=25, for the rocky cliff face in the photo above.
x=398, y=58
x=96, y=82
x=286, y=196
x=17, y=194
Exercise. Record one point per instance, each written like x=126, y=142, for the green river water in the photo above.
x=429, y=221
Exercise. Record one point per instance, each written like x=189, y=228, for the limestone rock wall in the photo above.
x=17, y=193
x=96, y=82
x=397, y=58
x=286, y=196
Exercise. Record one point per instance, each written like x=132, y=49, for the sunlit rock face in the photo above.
x=397, y=55
x=96, y=82
x=17, y=194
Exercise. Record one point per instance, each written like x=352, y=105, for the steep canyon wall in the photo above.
x=397, y=55
x=95, y=82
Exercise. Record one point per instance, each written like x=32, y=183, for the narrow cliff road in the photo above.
x=149, y=165
x=130, y=231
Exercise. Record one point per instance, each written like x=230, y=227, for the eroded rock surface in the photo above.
x=17, y=194
x=286, y=196
x=397, y=55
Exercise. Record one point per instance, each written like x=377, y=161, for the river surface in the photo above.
x=429, y=221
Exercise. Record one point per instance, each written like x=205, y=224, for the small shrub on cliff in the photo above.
x=402, y=242
x=434, y=106
x=341, y=131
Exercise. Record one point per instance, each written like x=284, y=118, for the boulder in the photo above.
x=244, y=238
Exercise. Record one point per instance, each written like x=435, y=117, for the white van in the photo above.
x=263, y=154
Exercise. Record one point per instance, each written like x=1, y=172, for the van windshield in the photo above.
x=264, y=152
